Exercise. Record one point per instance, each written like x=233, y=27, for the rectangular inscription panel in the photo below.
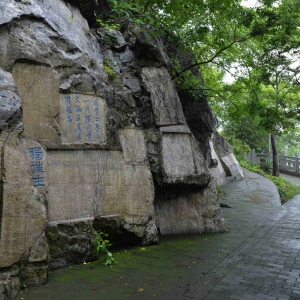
x=82, y=119
x=85, y=184
x=82, y=183
x=133, y=144
x=177, y=154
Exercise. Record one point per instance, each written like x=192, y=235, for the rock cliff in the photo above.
x=94, y=136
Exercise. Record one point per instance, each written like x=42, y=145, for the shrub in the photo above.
x=240, y=149
x=267, y=166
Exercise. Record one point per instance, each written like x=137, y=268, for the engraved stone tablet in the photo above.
x=139, y=190
x=177, y=154
x=38, y=88
x=133, y=144
x=24, y=217
x=175, y=129
x=36, y=159
x=82, y=119
x=84, y=184
x=165, y=101
x=77, y=180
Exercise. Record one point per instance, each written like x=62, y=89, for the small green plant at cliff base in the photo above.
x=220, y=191
x=110, y=72
x=102, y=245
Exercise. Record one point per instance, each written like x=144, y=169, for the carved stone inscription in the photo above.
x=177, y=154
x=82, y=119
x=78, y=180
x=38, y=88
x=133, y=144
x=84, y=184
x=165, y=101
x=37, y=166
x=24, y=215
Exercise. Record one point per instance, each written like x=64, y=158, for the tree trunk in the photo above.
x=275, y=156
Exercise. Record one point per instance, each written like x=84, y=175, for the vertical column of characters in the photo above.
x=88, y=121
x=97, y=120
x=78, y=111
x=37, y=166
x=69, y=112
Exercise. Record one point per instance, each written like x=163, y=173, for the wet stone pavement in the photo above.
x=257, y=259
x=290, y=178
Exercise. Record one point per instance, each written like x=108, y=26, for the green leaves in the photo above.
x=261, y=43
x=124, y=8
x=102, y=245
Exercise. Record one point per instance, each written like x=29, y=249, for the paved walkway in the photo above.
x=290, y=178
x=257, y=259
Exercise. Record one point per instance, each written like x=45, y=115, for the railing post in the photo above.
x=297, y=155
x=249, y=156
x=253, y=156
x=284, y=159
x=281, y=161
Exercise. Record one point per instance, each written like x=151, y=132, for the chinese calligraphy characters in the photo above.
x=82, y=118
x=37, y=166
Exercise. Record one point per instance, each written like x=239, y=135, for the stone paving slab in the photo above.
x=290, y=178
x=257, y=259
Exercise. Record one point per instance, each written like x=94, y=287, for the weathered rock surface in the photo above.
x=113, y=38
x=23, y=211
x=165, y=101
x=151, y=52
x=228, y=167
x=70, y=242
x=10, y=102
x=94, y=136
x=178, y=211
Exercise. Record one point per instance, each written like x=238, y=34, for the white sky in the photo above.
x=250, y=3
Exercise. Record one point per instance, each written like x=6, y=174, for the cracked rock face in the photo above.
x=94, y=136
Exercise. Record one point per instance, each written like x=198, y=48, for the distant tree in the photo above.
x=269, y=71
x=290, y=142
x=248, y=132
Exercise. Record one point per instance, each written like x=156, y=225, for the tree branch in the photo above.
x=218, y=93
x=211, y=59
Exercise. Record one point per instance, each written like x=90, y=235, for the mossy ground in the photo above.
x=139, y=273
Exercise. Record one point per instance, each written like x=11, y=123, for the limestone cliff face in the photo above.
x=94, y=136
